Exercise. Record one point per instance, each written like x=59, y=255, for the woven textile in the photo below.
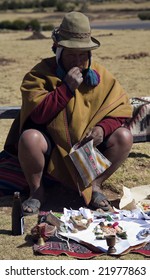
x=56, y=247
x=89, y=162
x=140, y=123
x=11, y=176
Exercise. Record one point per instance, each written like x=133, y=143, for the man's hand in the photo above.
x=96, y=133
x=73, y=78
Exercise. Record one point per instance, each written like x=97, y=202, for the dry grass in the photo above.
x=21, y=55
x=18, y=56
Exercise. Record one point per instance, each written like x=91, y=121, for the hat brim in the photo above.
x=78, y=44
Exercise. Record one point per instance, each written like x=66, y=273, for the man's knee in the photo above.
x=125, y=137
x=29, y=137
x=122, y=137
x=32, y=139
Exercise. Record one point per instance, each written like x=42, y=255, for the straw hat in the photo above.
x=75, y=33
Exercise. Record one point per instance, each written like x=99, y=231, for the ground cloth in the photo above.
x=58, y=247
x=84, y=245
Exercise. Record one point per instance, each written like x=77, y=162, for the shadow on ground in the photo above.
x=57, y=197
x=138, y=155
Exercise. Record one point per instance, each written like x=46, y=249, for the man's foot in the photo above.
x=99, y=201
x=31, y=206
x=33, y=203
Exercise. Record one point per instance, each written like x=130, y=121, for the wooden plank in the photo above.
x=9, y=112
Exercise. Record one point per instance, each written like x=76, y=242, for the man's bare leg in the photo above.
x=31, y=150
x=118, y=147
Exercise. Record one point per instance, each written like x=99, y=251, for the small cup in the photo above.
x=111, y=241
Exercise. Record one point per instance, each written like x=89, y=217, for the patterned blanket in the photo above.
x=140, y=123
x=56, y=247
x=11, y=176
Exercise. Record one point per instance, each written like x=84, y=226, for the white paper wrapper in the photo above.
x=127, y=201
x=131, y=221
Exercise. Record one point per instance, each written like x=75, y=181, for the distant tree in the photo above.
x=5, y=24
x=14, y=4
x=34, y=25
x=84, y=6
x=60, y=6
x=48, y=3
x=145, y=15
x=18, y=24
x=4, y=5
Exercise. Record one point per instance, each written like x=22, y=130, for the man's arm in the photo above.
x=52, y=104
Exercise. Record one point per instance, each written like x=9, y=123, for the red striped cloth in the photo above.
x=11, y=176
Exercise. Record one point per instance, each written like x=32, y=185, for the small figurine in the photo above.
x=99, y=232
x=119, y=231
x=41, y=241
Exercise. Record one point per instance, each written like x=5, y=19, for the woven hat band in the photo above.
x=70, y=34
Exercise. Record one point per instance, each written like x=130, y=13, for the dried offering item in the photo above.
x=107, y=228
x=145, y=205
x=53, y=220
x=113, y=229
x=99, y=234
x=43, y=230
x=79, y=222
x=120, y=232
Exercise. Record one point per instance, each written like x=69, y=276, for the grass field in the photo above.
x=17, y=56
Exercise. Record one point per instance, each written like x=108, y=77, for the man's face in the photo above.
x=74, y=58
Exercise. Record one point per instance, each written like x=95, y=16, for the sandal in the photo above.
x=97, y=201
x=33, y=204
